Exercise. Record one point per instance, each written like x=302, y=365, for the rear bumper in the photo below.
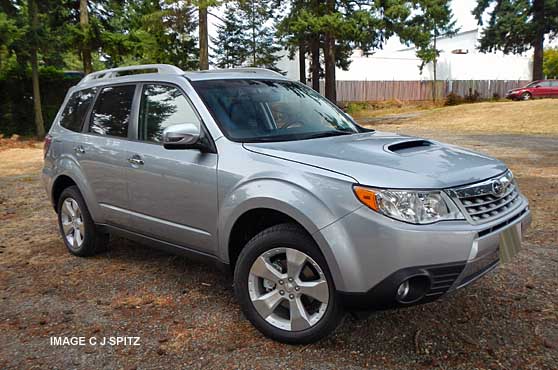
x=449, y=256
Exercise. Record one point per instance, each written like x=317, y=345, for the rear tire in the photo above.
x=79, y=233
x=297, y=297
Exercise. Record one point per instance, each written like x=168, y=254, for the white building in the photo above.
x=459, y=60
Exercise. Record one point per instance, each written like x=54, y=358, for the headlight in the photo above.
x=416, y=207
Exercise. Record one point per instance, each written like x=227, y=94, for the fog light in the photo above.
x=403, y=290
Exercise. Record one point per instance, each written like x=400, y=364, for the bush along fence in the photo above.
x=359, y=91
x=16, y=101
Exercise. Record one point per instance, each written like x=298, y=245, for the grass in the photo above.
x=361, y=110
x=537, y=117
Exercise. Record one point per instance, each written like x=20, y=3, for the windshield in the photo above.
x=533, y=84
x=271, y=110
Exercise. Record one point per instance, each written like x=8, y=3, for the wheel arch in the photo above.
x=71, y=175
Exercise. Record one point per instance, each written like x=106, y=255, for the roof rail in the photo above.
x=117, y=72
x=245, y=70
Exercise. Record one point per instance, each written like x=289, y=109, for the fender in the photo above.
x=67, y=166
x=290, y=198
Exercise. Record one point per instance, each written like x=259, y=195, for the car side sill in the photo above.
x=165, y=246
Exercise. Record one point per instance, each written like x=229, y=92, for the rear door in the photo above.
x=103, y=153
x=173, y=193
x=554, y=89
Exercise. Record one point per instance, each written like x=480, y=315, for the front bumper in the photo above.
x=513, y=95
x=373, y=255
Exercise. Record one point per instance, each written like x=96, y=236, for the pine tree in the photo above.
x=433, y=19
x=259, y=41
x=516, y=26
x=228, y=51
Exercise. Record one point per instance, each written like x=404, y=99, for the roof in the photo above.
x=151, y=71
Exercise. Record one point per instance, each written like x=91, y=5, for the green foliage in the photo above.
x=16, y=103
x=259, y=41
x=550, y=66
x=246, y=37
x=513, y=24
x=227, y=52
x=162, y=32
x=433, y=18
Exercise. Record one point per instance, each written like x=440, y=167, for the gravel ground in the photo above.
x=186, y=315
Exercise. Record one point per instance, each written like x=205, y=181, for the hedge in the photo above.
x=16, y=100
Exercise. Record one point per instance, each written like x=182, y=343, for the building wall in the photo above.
x=403, y=65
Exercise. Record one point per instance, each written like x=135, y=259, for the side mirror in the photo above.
x=537, y=86
x=183, y=136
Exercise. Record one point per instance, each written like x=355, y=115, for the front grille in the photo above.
x=443, y=278
x=488, y=200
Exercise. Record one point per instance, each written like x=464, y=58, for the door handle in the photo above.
x=79, y=149
x=136, y=160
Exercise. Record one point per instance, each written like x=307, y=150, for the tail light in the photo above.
x=46, y=146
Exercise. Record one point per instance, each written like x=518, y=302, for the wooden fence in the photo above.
x=419, y=90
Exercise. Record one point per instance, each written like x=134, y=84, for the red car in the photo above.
x=536, y=89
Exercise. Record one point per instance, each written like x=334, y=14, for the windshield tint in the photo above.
x=270, y=110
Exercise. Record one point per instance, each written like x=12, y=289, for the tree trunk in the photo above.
x=254, y=43
x=329, y=57
x=85, y=49
x=34, y=22
x=302, y=62
x=315, y=65
x=435, y=65
x=204, y=51
x=538, y=44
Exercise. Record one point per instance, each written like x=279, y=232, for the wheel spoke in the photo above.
x=267, y=303
x=81, y=228
x=67, y=227
x=77, y=238
x=68, y=208
x=299, y=317
x=295, y=262
x=316, y=289
x=264, y=269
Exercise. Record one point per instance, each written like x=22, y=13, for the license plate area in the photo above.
x=510, y=242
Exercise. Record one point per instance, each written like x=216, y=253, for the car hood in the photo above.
x=388, y=160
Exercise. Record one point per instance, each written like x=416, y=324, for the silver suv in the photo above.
x=313, y=213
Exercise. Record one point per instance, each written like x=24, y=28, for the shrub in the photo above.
x=454, y=99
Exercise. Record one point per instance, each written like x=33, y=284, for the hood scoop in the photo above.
x=409, y=146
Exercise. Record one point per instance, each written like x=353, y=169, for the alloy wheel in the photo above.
x=288, y=289
x=73, y=227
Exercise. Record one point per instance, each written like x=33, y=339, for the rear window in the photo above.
x=111, y=113
x=74, y=113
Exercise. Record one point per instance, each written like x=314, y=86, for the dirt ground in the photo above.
x=186, y=315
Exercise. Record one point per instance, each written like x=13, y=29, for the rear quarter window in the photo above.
x=74, y=112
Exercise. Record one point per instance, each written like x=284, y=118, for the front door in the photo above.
x=172, y=193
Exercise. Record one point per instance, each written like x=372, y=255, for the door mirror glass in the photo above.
x=183, y=136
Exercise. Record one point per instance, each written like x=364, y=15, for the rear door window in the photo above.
x=73, y=115
x=111, y=113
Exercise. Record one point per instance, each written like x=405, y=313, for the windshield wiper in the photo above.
x=327, y=134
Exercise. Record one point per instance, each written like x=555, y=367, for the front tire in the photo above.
x=526, y=96
x=79, y=233
x=284, y=286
